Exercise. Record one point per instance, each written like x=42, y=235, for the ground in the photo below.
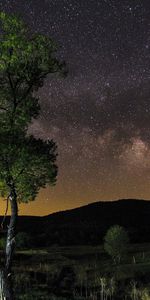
x=79, y=271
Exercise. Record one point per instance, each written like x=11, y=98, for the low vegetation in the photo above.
x=82, y=272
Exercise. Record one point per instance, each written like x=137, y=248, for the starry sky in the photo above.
x=100, y=114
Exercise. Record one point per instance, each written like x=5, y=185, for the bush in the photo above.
x=2, y=243
x=115, y=242
x=23, y=240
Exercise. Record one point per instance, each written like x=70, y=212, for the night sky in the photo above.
x=100, y=114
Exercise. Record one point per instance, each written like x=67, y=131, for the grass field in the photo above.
x=82, y=272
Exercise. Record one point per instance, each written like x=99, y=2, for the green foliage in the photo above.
x=115, y=242
x=2, y=243
x=32, y=167
x=26, y=59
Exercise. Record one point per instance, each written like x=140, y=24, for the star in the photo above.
x=99, y=114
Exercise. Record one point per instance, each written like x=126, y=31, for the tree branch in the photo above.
x=3, y=108
x=22, y=170
x=2, y=223
x=12, y=87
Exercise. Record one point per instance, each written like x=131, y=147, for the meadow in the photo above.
x=82, y=272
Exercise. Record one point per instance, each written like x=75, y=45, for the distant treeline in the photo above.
x=88, y=224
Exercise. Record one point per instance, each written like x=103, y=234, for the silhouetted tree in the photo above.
x=26, y=163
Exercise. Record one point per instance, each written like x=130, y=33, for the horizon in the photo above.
x=99, y=115
x=73, y=208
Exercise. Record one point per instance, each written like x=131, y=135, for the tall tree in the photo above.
x=26, y=163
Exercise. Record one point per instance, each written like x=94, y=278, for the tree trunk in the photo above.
x=6, y=290
x=10, y=243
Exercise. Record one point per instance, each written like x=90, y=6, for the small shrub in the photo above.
x=2, y=243
x=115, y=242
x=23, y=240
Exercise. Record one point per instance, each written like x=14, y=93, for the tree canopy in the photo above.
x=25, y=61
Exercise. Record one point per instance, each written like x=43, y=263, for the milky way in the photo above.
x=100, y=114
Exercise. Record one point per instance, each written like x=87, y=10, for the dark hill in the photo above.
x=88, y=224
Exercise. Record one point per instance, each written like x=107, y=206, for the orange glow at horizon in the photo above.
x=52, y=199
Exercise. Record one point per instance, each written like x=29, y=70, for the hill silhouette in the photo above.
x=88, y=224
